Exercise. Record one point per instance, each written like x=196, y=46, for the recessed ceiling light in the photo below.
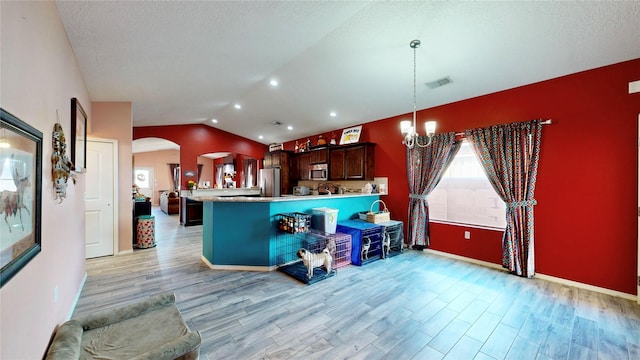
x=273, y=82
x=237, y=106
x=333, y=114
x=260, y=137
x=215, y=121
x=289, y=127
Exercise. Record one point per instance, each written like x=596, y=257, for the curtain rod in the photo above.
x=545, y=122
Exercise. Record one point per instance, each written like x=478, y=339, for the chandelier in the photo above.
x=407, y=128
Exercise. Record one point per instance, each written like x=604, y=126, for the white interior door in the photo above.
x=100, y=201
x=143, y=178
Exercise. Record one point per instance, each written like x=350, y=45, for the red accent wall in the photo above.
x=586, y=217
x=198, y=139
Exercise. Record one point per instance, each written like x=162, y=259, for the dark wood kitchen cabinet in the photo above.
x=301, y=162
x=190, y=211
x=276, y=159
x=352, y=162
x=302, y=166
x=319, y=156
x=281, y=159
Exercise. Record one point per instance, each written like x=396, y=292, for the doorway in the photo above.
x=143, y=179
x=101, y=224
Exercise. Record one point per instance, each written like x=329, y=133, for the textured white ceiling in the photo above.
x=188, y=62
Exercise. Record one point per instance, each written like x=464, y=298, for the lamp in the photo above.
x=408, y=128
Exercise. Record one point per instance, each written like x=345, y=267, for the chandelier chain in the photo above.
x=412, y=137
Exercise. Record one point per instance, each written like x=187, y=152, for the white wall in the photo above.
x=38, y=78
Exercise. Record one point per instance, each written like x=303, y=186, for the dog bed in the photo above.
x=298, y=271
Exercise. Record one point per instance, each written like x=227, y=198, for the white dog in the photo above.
x=386, y=245
x=366, y=244
x=312, y=260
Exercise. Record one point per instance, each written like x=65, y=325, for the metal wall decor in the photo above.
x=61, y=166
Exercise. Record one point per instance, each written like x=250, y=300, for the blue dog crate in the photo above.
x=366, y=240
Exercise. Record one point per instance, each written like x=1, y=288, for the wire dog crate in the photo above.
x=339, y=246
x=292, y=229
x=293, y=234
x=393, y=233
x=366, y=240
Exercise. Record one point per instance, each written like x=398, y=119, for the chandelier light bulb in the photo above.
x=430, y=127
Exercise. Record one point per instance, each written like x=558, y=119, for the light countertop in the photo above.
x=253, y=199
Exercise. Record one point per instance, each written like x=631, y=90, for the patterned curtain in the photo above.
x=425, y=167
x=199, y=172
x=174, y=175
x=509, y=155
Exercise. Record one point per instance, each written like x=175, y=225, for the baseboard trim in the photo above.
x=540, y=276
x=77, y=297
x=587, y=287
x=466, y=259
x=125, y=252
x=237, y=267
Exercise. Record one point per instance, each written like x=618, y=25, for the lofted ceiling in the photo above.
x=182, y=62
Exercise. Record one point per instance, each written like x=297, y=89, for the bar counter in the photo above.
x=239, y=233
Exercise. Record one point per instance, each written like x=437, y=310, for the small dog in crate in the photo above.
x=313, y=260
x=331, y=246
x=366, y=244
x=386, y=245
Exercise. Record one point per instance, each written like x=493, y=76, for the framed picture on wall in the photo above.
x=351, y=135
x=21, y=194
x=78, y=136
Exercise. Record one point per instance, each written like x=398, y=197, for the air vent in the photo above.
x=440, y=82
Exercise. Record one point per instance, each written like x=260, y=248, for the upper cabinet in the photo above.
x=352, y=162
x=303, y=160
x=276, y=159
x=319, y=156
x=346, y=162
x=281, y=159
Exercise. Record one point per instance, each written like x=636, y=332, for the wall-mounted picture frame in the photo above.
x=351, y=135
x=78, y=136
x=21, y=194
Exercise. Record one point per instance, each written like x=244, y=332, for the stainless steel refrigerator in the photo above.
x=270, y=182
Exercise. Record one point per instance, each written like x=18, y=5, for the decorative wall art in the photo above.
x=61, y=166
x=20, y=194
x=351, y=135
x=78, y=136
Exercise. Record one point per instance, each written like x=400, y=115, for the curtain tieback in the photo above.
x=418, y=196
x=524, y=203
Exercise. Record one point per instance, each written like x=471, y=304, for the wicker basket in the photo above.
x=380, y=216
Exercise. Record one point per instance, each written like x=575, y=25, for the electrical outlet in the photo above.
x=55, y=294
x=467, y=235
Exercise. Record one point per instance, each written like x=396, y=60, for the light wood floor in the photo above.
x=412, y=306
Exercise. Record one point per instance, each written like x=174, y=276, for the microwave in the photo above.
x=318, y=172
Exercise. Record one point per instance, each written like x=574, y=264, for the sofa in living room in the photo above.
x=170, y=202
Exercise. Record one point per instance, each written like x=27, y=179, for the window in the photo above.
x=465, y=196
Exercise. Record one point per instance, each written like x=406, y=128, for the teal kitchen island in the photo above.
x=240, y=233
